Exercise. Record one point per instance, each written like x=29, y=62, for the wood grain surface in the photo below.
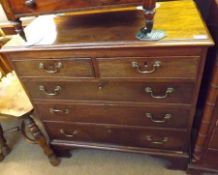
x=117, y=29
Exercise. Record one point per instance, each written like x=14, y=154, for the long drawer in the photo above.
x=67, y=67
x=148, y=67
x=137, y=115
x=111, y=91
x=136, y=137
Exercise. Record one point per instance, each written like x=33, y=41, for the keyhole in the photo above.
x=101, y=85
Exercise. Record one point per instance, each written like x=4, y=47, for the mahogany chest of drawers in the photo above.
x=94, y=85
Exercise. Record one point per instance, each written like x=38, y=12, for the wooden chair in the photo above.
x=15, y=103
x=4, y=65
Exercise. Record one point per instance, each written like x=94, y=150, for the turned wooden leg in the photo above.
x=147, y=33
x=149, y=12
x=5, y=150
x=41, y=140
x=19, y=28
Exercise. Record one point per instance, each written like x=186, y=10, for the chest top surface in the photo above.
x=107, y=29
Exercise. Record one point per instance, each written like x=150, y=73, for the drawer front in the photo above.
x=136, y=137
x=112, y=91
x=163, y=67
x=51, y=6
x=143, y=115
x=73, y=67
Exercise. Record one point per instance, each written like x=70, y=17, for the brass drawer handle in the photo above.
x=155, y=66
x=75, y=132
x=55, y=92
x=51, y=69
x=60, y=111
x=157, y=142
x=165, y=118
x=167, y=93
x=30, y=3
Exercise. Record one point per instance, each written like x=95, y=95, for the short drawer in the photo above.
x=112, y=91
x=105, y=134
x=138, y=115
x=149, y=67
x=72, y=67
x=40, y=6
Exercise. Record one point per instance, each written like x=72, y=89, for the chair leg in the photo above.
x=41, y=140
x=1, y=143
x=5, y=150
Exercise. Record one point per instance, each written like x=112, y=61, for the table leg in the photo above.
x=147, y=33
x=149, y=12
x=41, y=140
x=5, y=150
x=19, y=28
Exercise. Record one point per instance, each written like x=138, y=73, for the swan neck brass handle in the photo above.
x=51, y=69
x=155, y=66
x=55, y=92
x=164, y=120
x=59, y=111
x=157, y=142
x=62, y=132
x=30, y=3
x=166, y=94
